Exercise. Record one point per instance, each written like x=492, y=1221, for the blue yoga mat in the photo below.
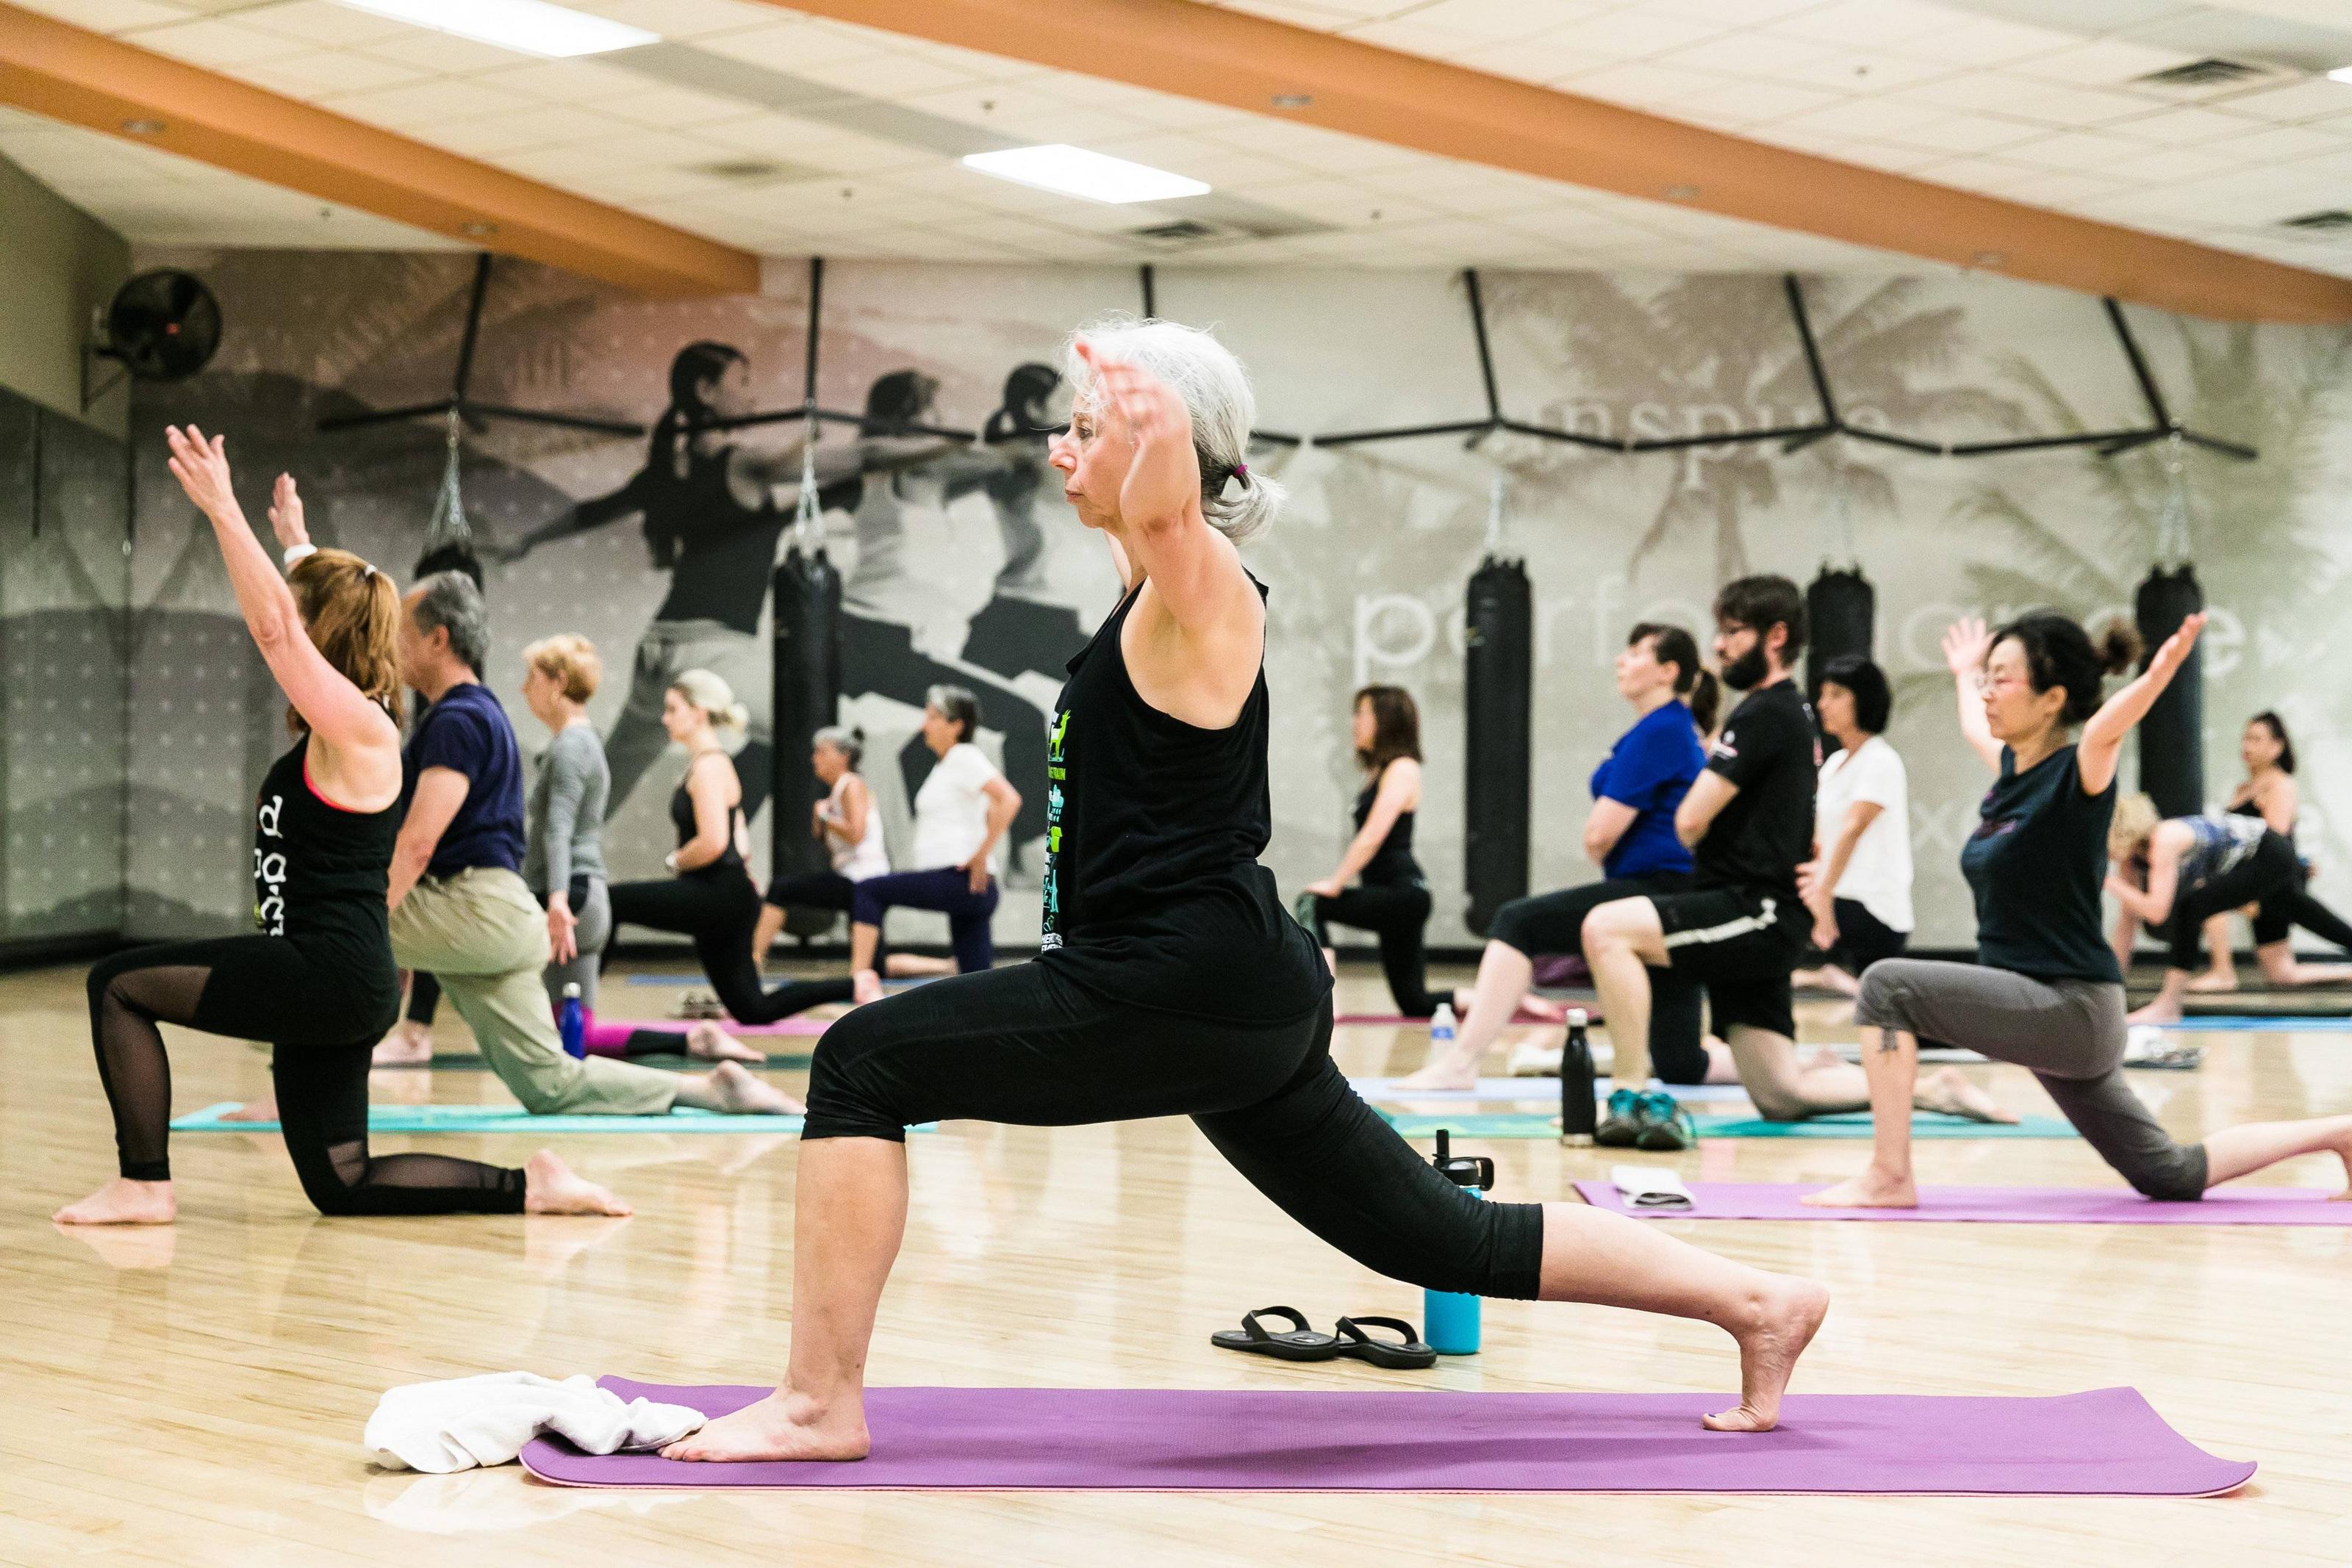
x=472, y=1119
x=1925, y=1124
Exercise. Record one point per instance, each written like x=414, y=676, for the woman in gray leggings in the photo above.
x=2044, y=992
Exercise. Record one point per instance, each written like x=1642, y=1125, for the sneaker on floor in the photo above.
x=1621, y=1121
x=1664, y=1126
x=699, y=1004
x=1533, y=1059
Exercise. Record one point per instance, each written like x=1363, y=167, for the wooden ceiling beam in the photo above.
x=1250, y=62
x=66, y=73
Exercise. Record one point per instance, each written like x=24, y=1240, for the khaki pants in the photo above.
x=484, y=937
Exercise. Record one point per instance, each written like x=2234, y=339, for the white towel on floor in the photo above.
x=1650, y=1186
x=461, y=1422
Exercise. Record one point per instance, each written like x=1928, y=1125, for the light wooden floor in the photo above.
x=196, y=1395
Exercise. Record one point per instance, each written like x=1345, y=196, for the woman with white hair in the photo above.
x=1171, y=980
x=712, y=898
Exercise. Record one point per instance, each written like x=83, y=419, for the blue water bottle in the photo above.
x=571, y=1022
x=1450, y=1320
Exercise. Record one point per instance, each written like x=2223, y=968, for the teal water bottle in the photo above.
x=571, y=1022
x=1449, y=1319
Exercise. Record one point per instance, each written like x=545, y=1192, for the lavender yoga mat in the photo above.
x=2106, y=1443
x=2006, y=1204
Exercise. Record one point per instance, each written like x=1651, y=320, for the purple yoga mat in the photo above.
x=2107, y=1443
x=2005, y=1205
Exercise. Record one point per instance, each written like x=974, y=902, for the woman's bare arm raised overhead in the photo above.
x=2102, y=736
x=1966, y=643
x=362, y=738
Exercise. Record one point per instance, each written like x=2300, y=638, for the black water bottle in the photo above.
x=1576, y=1112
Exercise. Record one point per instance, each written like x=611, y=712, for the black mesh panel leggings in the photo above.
x=1398, y=913
x=265, y=988
x=1024, y=1045
x=719, y=910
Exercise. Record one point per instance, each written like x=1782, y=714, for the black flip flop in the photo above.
x=1301, y=1344
x=1406, y=1353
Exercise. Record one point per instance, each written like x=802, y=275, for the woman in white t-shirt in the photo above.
x=1858, y=885
x=960, y=815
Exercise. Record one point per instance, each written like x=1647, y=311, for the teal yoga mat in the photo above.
x=474, y=1061
x=1536, y=1125
x=472, y=1119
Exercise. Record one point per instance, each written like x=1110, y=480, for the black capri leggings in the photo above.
x=1027, y=1046
x=267, y=987
x=2282, y=911
x=1397, y=913
x=2271, y=872
x=1554, y=923
x=719, y=909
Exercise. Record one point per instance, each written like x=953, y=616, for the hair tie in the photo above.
x=1241, y=472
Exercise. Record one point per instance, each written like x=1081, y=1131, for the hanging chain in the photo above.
x=808, y=523
x=1837, y=528
x=2172, y=541
x=447, y=525
x=1494, y=516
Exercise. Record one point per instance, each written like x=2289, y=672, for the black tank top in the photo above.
x=319, y=875
x=1153, y=892
x=2247, y=809
x=681, y=817
x=1392, y=862
x=726, y=550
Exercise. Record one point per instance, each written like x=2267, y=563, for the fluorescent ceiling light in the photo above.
x=2341, y=73
x=1074, y=171
x=529, y=26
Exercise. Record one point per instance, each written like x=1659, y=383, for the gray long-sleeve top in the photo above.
x=567, y=811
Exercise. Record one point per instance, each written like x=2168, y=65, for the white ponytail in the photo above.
x=1238, y=501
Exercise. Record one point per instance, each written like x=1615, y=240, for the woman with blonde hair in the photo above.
x=2173, y=876
x=315, y=980
x=712, y=898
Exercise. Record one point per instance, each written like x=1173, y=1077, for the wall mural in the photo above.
x=964, y=564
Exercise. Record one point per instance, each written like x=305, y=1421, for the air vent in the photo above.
x=2332, y=221
x=1182, y=230
x=2212, y=74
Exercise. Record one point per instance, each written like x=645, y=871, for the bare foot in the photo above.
x=262, y=1110
x=908, y=965
x=711, y=1043
x=738, y=1090
x=866, y=987
x=550, y=1187
x=2155, y=1013
x=1441, y=1075
x=1873, y=1188
x=408, y=1043
x=2214, y=980
x=1783, y=1324
x=777, y=1428
x=1955, y=1097
x=123, y=1202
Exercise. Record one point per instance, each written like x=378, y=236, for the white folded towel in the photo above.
x=1650, y=1186
x=461, y=1422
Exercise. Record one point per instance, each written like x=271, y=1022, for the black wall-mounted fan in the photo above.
x=163, y=326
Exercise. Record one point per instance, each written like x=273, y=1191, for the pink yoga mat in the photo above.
x=2004, y=1205
x=679, y=1026
x=2107, y=1443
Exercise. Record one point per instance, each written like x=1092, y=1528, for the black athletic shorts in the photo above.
x=1863, y=938
x=1741, y=946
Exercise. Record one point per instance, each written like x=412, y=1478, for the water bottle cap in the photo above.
x=571, y=991
x=1576, y=1019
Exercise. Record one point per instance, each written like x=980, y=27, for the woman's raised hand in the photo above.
x=201, y=465
x=285, y=514
x=1966, y=645
x=2174, y=651
x=1163, y=476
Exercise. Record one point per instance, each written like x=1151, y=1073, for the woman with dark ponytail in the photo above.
x=2270, y=793
x=1630, y=834
x=2045, y=991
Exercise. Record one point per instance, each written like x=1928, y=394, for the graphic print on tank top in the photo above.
x=1052, y=936
x=320, y=874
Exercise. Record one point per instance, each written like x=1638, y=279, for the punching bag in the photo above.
x=807, y=698
x=1500, y=631
x=2172, y=735
x=1840, y=608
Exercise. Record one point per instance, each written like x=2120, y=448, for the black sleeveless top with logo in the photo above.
x=1391, y=865
x=681, y=817
x=725, y=552
x=320, y=874
x=1153, y=894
